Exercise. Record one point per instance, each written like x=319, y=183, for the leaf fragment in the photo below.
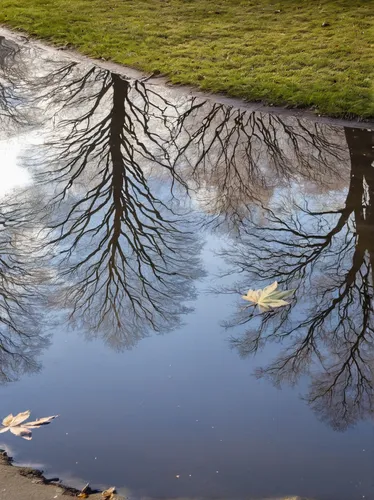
x=108, y=494
x=10, y=420
x=22, y=432
x=41, y=421
x=85, y=492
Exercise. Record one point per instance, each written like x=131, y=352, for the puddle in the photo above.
x=132, y=219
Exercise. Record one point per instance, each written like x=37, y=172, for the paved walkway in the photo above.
x=14, y=485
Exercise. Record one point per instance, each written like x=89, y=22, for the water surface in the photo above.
x=132, y=219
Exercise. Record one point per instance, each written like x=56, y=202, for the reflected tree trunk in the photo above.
x=327, y=256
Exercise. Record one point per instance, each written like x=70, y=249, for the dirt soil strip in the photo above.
x=24, y=483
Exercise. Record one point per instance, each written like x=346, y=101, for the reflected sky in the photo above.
x=131, y=221
x=12, y=175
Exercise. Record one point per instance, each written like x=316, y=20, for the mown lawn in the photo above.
x=278, y=52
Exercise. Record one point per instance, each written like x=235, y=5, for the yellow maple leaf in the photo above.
x=268, y=298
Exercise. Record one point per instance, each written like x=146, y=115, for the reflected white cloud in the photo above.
x=11, y=174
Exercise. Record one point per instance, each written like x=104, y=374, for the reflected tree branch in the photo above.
x=23, y=290
x=327, y=256
x=127, y=259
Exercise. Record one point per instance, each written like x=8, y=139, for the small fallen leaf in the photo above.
x=85, y=491
x=268, y=298
x=108, y=494
x=13, y=424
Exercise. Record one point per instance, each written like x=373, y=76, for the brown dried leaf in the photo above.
x=108, y=494
x=85, y=492
x=13, y=424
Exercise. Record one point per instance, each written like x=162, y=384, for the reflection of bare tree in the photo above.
x=125, y=251
x=10, y=71
x=237, y=159
x=22, y=283
x=127, y=259
x=327, y=255
x=21, y=277
x=8, y=52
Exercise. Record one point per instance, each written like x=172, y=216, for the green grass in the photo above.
x=243, y=48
